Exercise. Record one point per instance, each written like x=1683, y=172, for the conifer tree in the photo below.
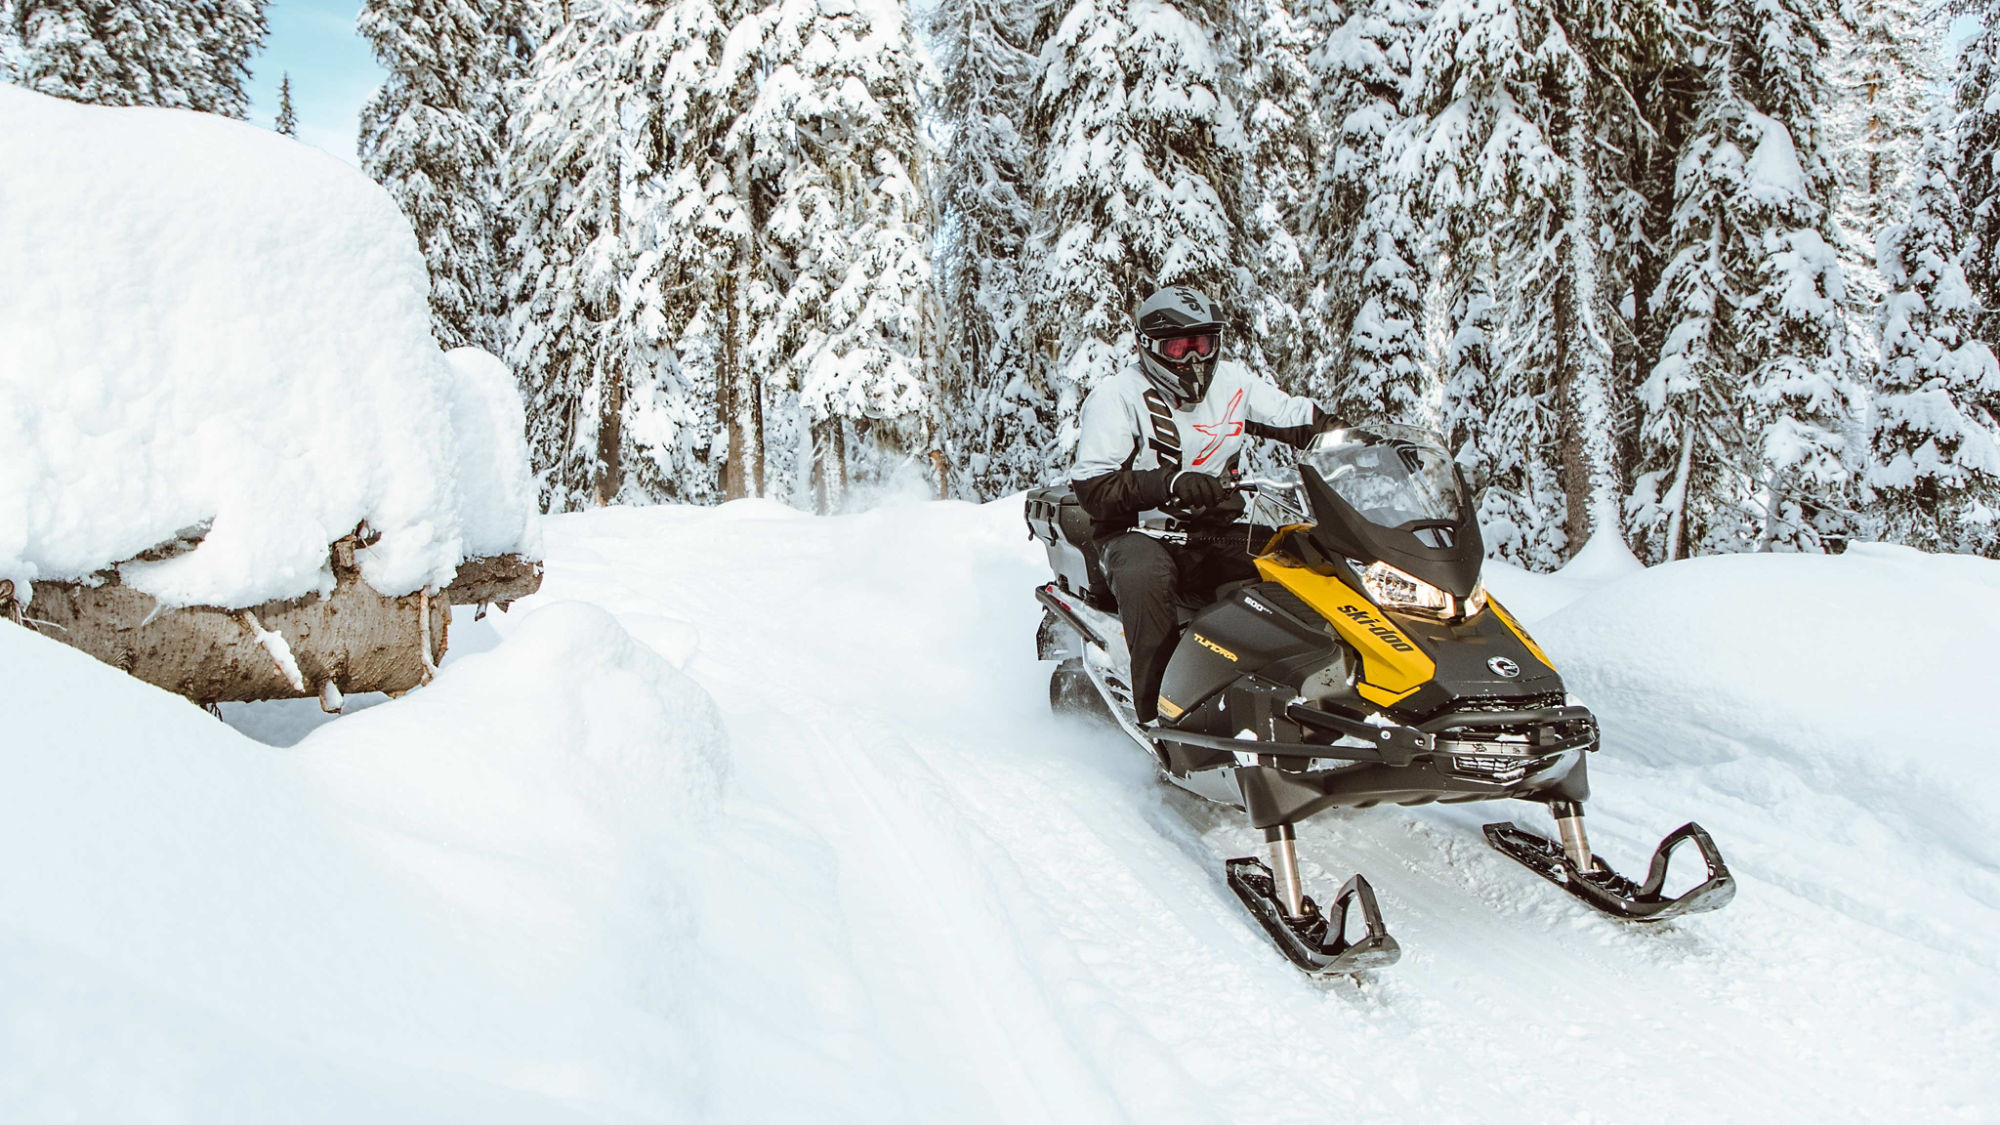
x=1935, y=473
x=567, y=172
x=1748, y=411
x=1283, y=137
x=1880, y=72
x=1134, y=135
x=1976, y=97
x=287, y=122
x=179, y=54
x=1508, y=105
x=434, y=135
x=997, y=411
x=1371, y=361
x=834, y=133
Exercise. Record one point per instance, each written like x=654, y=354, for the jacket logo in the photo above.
x=1374, y=625
x=1220, y=431
x=1213, y=647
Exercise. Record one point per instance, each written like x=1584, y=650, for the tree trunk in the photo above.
x=829, y=469
x=739, y=390
x=610, y=474
x=1586, y=418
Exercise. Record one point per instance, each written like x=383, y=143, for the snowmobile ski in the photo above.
x=1315, y=941
x=1614, y=894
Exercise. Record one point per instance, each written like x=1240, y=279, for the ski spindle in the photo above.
x=1285, y=862
x=1575, y=843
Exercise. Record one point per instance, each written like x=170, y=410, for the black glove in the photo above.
x=1197, y=491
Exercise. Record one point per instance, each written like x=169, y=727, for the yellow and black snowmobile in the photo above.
x=1367, y=665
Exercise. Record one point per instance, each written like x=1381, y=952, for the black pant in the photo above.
x=1146, y=575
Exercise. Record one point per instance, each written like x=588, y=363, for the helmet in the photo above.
x=1180, y=336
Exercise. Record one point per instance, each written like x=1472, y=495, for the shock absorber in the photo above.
x=1285, y=869
x=1569, y=823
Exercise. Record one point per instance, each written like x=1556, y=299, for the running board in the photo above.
x=1614, y=894
x=1314, y=942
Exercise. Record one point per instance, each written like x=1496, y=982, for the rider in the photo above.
x=1164, y=437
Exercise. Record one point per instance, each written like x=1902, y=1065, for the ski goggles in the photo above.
x=1178, y=349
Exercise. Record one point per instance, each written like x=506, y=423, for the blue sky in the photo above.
x=332, y=71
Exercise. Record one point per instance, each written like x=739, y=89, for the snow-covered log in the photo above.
x=233, y=460
x=355, y=639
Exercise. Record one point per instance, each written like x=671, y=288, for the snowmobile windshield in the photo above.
x=1391, y=475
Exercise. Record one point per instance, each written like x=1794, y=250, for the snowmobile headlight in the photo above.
x=1406, y=593
x=1393, y=589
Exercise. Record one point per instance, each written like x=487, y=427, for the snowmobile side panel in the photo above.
x=1393, y=667
x=1614, y=894
x=1234, y=637
x=1316, y=942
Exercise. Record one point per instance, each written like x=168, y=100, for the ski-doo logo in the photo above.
x=1374, y=625
x=1213, y=647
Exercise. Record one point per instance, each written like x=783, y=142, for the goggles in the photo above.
x=1179, y=349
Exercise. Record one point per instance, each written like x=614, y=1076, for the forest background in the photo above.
x=1715, y=275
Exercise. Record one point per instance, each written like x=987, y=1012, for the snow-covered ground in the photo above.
x=755, y=816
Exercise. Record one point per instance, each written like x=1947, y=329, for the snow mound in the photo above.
x=202, y=320
x=470, y=904
x=1835, y=699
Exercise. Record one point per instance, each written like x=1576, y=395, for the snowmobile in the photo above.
x=1366, y=664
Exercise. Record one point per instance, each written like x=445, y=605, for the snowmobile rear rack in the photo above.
x=1316, y=941
x=1048, y=596
x=1614, y=894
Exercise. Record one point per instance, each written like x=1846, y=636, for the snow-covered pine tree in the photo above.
x=1279, y=96
x=998, y=415
x=287, y=121
x=1371, y=361
x=1935, y=474
x=1976, y=88
x=1498, y=430
x=840, y=284
x=1881, y=68
x=1136, y=154
x=180, y=54
x=677, y=308
x=567, y=177
x=433, y=136
x=1748, y=413
x=1503, y=153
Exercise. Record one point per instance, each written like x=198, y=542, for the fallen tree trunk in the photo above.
x=354, y=639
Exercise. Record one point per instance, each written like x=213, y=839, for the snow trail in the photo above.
x=1041, y=931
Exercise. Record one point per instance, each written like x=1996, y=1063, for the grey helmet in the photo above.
x=1180, y=337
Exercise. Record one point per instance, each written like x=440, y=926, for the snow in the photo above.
x=201, y=319
x=844, y=866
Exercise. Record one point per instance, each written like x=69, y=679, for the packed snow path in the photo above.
x=846, y=868
x=963, y=908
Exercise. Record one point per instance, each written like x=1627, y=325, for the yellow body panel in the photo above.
x=1514, y=626
x=1392, y=666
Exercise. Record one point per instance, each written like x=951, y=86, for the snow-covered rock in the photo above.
x=202, y=320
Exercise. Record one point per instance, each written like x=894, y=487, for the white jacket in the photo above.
x=1147, y=439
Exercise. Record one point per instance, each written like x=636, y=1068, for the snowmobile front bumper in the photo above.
x=1316, y=941
x=1614, y=894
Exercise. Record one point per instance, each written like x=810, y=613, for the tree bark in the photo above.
x=1586, y=414
x=829, y=470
